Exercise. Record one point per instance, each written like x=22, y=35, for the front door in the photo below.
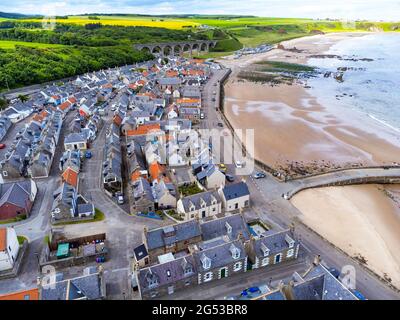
x=171, y=290
x=223, y=273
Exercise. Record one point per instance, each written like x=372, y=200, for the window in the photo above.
x=237, y=266
x=208, y=276
x=290, y=253
x=264, y=262
x=5, y=173
x=278, y=258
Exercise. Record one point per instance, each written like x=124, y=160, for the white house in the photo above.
x=9, y=248
x=235, y=196
x=201, y=205
x=75, y=141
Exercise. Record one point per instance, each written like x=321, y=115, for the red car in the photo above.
x=2, y=145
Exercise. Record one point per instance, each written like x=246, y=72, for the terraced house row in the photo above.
x=193, y=253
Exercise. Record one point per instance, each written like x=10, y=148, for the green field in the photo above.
x=11, y=44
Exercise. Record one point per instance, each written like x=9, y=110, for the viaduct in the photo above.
x=177, y=48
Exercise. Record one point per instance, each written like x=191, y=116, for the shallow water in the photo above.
x=371, y=87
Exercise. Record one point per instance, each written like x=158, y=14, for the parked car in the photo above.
x=88, y=155
x=222, y=167
x=230, y=177
x=220, y=124
x=213, y=100
x=259, y=175
x=2, y=145
x=202, y=115
x=120, y=199
x=239, y=164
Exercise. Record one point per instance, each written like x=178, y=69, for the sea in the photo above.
x=371, y=80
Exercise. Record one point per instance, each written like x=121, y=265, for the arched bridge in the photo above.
x=177, y=48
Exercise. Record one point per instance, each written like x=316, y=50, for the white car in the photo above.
x=120, y=199
x=202, y=116
x=239, y=164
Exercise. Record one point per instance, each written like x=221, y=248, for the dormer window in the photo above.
x=228, y=228
x=265, y=250
x=235, y=251
x=289, y=241
x=206, y=261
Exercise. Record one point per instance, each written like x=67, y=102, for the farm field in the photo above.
x=128, y=21
x=11, y=44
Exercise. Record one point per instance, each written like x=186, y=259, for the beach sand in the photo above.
x=361, y=220
x=291, y=125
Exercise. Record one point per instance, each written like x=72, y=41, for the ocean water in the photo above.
x=370, y=85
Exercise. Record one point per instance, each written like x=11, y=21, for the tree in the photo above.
x=23, y=98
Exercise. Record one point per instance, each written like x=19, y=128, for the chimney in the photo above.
x=288, y=290
x=317, y=260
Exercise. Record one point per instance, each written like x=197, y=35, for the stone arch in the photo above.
x=186, y=47
x=167, y=50
x=157, y=50
x=196, y=47
x=204, y=47
x=177, y=50
x=146, y=49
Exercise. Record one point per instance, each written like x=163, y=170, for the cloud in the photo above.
x=345, y=9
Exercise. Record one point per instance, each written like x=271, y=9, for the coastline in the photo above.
x=292, y=126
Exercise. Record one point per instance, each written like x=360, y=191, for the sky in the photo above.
x=388, y=10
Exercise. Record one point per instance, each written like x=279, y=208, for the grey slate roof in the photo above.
x=157, y=238
x=168, y=273
x=17, y=193
x=275, y=242
x=140, y=252
x=197, y=199
x=220, y=255
x=88, y=287
x=236, y=190
x=218, y=228
x=74, y=138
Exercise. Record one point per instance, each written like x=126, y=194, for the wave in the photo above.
x=384, y=123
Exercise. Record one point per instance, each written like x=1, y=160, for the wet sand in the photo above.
x=361, y=220
x=290, y=125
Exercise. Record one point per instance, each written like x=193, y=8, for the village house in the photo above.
x=219, y=260
x=143, y=198
x=172, y=239
x=164, y=195
x=235, y=196
x=75, y=141
x=9, y=248
x=270, y=249
x=87, y=287
x=166, y=278
x=209, y=175
x=16, y=199
x=200, y=206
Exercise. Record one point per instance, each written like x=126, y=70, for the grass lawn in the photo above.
x=21, y=239
x=189, y=190
x=98, y=216
x=17, y=219
x=11, y=44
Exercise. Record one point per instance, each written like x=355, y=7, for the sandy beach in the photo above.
x=361, y=220
x=291, y=125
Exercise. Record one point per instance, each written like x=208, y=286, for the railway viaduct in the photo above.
x=177, y=48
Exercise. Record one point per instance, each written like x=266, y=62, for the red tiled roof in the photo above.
x=31, y=294
x=72, y=99
x=143, y=129
x=70, y=177
x=65, y=105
